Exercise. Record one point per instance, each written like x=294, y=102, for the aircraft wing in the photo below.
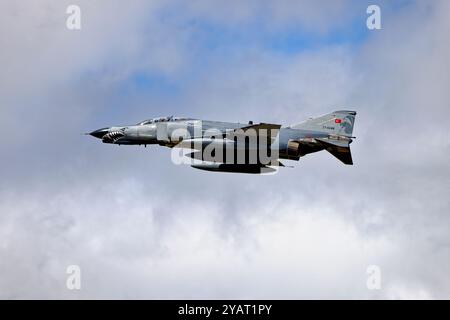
x=262, y=125
x=268, y=130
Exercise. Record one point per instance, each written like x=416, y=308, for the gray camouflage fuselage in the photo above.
x=331, y=132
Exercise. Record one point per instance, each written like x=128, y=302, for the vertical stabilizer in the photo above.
x=336, y=123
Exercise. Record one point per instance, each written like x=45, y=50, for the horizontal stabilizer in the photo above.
x=338, y=148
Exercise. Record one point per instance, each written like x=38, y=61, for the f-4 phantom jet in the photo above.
x=237, y=147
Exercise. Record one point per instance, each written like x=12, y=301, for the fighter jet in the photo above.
x=240, y=147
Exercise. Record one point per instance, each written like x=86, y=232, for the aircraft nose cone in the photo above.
x=99, y=133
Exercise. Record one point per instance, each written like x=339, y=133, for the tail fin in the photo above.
x=337, y=123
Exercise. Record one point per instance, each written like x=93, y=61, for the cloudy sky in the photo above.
x=141, y=227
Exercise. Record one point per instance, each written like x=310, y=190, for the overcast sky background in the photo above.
x=142, y=227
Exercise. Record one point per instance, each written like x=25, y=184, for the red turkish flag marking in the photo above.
x=337, y=120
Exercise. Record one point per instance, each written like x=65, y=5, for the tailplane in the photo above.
x=338, y=148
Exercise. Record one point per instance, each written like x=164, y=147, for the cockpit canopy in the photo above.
x=161, y=119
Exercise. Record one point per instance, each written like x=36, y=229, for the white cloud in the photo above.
x=183, y=248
